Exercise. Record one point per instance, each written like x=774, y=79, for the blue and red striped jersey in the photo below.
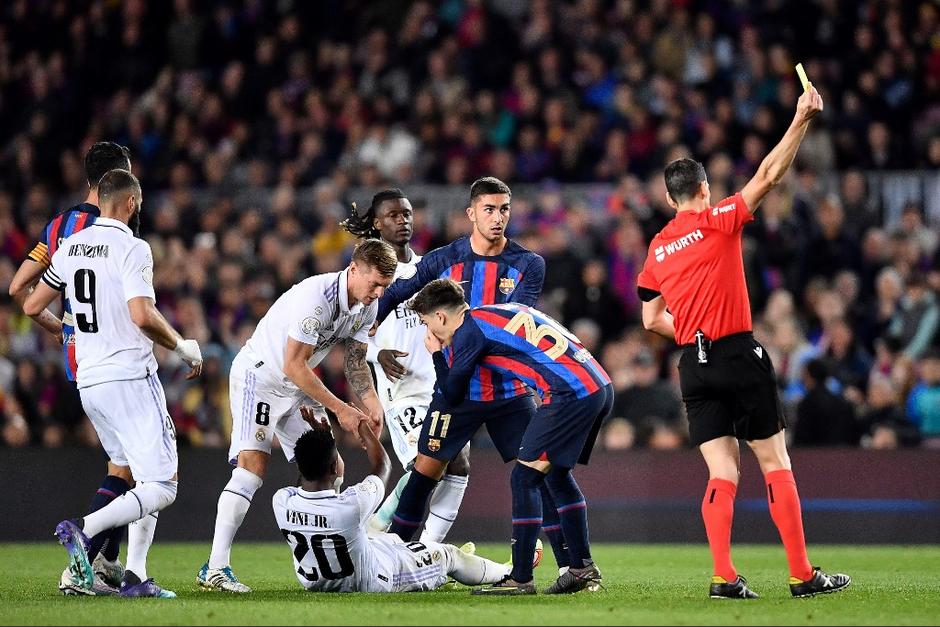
x=65, y=223
x=521, y=345
x=515, y=275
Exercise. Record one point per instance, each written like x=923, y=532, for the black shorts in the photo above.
x=444, y=435
x=734, y=394
x=563, y=432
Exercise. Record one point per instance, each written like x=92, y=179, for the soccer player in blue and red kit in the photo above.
x=522, y=344
x=728, y=384
x=493, y=269
x=101, y=158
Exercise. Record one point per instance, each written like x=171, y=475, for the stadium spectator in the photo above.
x=823, y=418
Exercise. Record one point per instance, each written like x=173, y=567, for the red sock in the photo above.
x=718, y=513
x=785, y=511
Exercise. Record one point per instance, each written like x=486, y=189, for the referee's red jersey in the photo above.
x=695, y=262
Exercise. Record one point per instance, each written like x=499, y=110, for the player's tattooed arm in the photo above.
x=356, y=368
x=360, y=380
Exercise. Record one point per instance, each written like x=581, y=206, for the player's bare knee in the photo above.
x=121, y=472
x=255, y=462
x=429, y=467
x=460, y=465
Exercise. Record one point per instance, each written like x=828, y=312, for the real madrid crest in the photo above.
x=259, y=435
x=310, y=325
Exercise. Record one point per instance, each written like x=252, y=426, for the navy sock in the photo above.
x=412, y=506
x=572, y=510
x=551, y=525
x=526, y=519
x=111, y=488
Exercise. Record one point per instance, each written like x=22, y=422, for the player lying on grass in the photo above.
x=327, y=532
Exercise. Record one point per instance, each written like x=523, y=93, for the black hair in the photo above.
x=363, y=225
x=314, y=453
x=115, y=182
x=818, y=370
x=103, y=157
x=438, y=294
x=488, y=185
x=683, y=178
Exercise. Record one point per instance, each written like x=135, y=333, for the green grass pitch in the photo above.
x=645, y=585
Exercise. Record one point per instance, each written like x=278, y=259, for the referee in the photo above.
x=695, y=268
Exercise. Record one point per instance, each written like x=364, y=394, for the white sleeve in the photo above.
x=51, y=276
x=370, y=494
x=307, y=322
x=138, y=272
x=362, y=335
x=279, y=503
x=372, y=351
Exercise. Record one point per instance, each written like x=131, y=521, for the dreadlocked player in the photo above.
x=405, y=376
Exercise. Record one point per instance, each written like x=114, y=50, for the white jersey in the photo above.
x=327, y=532
x=315, y=311
x=101, y=268
x=402, y=330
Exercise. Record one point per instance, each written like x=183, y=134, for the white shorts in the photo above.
x=134, y=426
x=263, y=408
x=409, y=567
x=404, y=427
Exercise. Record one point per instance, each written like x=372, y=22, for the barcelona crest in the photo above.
x=507, y=285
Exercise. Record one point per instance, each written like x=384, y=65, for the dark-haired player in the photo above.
x=405, y=376
x=525, y=345
x=328, y=532
x=101, y=158
x=728, y=385
x=493, y=269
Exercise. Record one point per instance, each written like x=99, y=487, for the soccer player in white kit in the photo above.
x=107, y=275
x=405, y=376
x=327, y=532
x=272, y=375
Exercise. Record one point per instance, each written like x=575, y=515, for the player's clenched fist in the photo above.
x=188, y=350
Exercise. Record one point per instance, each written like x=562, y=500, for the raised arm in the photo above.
x=402, y=289
x=777, y=162
x=378, y=458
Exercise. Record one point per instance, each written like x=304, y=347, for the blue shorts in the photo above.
x=446, y=430
x=563, y=432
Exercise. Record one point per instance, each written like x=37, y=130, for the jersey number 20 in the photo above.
x=303, y=545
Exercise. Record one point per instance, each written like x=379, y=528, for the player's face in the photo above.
x=366, y=284
x=490, y=216
x=443, y=323
x=394, y=219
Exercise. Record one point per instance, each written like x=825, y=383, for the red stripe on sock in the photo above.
x=787, y=515
x=718, y=514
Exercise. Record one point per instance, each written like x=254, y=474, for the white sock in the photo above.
x=146, y=498
x=472, y=570
x=139, y=539
x=233, y=505
x=445, y=502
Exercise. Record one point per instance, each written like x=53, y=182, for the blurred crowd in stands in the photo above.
x=253, y=124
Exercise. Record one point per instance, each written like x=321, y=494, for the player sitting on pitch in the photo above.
x=327, y=532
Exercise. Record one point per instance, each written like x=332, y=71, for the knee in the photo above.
x=558, y=476
x=121, y=472
x=429, y=467
x=460, y=465
x=164, y=493
x=525, y=477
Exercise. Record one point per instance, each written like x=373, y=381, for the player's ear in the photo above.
x=669, y=201
x=470, y=214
